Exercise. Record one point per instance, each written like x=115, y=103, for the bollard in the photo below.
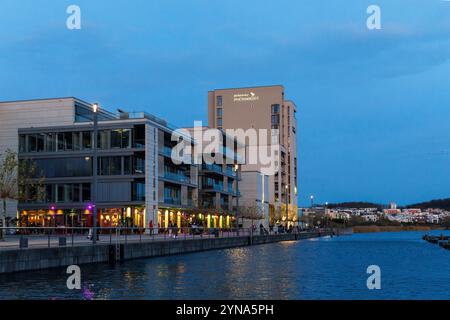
x=62, y=241
x=23, y=243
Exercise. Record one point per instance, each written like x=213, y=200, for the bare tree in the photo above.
x=251, y=212
x=18, y=182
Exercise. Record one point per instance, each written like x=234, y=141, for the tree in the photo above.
x=251, y=212
x=18, y=182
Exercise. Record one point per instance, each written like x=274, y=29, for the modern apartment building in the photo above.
x=263, y=108
x=35, y=113
x=219, y=179
x=137, y=180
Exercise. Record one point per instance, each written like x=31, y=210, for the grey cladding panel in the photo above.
x=114, y=191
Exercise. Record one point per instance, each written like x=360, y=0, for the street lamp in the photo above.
x=95, y=108
x=236, y=168
x=312, y=201
x=287, y=204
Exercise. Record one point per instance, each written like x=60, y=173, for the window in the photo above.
x=68, y=141
x=275, y=108
x=120, y=138
x=32, y=143
x=219, y=101
x=60, y=141
x=138, y=191
x=172, y=195
x=83, y=114
x=275, y=119
x=40, y=139
x=49, y=193
x=86, y=192
x=65, y=167
x=87, y=140
x=109, y=166
x=76, y=140
x=219, y=122
x=22, y=143
x=139, y=164
x=76, y=193
x=127, y=165
x=219, y=112
x=51, y=142
x=139, y=136
x=103, y=139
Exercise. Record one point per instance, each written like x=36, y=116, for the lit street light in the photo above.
x=95, y=108
x=236, y=169
x=287, y=204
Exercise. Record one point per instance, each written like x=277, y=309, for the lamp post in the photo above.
x=236, y=169
x=94, y=175
x=312, y=201
x=287, y=205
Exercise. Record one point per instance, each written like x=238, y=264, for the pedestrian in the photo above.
x=150, y=226
x=175, y=231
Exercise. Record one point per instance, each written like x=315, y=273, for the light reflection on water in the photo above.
x=326, y=268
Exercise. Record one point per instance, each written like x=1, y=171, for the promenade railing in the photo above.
x=48, y=237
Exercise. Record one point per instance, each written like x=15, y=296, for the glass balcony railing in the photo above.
x=172, y=201
x=214, y=186
x=230, y=171
x=212, y=167
x=167, y=151
x=177, y=177
x=208, y=204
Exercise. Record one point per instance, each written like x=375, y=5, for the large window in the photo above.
x=64, y=167
x=60, y=193
x=275, y=119
x=121, y=138
x=50, y=142
x=219, y=101
x=172, y=195
x=79, y=140
x=87, y=140
x=103, y=139
x=275, y=108
x=109, y=166
x=138, y=191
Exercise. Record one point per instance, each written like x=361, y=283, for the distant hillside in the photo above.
x=357, y=205
x=440, y=204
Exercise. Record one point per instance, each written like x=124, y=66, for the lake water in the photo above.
x=325, y=268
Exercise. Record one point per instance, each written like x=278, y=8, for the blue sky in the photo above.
x=374, y=106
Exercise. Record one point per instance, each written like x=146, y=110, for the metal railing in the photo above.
x=48, y=237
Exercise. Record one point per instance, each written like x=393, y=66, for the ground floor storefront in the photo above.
x=126, y=217
x=171, y=218
x=130, y=217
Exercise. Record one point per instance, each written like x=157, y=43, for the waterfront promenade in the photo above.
x=43, y=253
x=53, y=240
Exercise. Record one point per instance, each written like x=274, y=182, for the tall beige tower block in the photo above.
x=262, y=108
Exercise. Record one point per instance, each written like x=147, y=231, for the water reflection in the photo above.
x=327, y=268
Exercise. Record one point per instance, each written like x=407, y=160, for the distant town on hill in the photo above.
x=435, y=204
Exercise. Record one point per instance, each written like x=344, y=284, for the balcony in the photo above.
x=230, y=171
x=214, y=186
x=173, y=201
x=179, y=177
x=166, y=151
x=212, y=167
